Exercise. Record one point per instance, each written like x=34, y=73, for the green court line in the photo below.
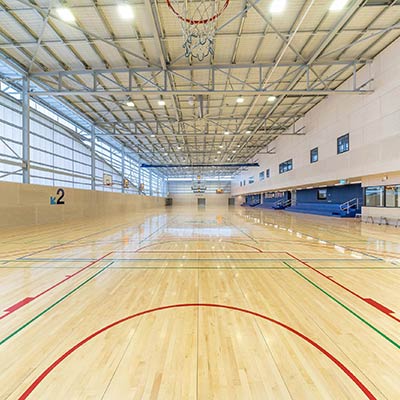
x=345, y=307
x=22, y=327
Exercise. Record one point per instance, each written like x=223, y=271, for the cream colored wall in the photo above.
x=27, y=205
x=391, y=178
x=373, y=122
x=212, y=200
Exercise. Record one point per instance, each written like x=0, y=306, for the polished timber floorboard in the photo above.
x=201, y=304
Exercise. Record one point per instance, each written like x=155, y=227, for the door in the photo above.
x=201, y=202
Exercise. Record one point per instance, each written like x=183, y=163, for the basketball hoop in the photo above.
x=198, y=20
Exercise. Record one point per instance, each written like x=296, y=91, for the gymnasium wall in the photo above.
x=190, y=200
x=27, y=205
x=373, y=122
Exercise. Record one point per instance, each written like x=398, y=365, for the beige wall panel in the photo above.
x=27, y=205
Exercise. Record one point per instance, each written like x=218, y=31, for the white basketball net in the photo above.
x=198, y=19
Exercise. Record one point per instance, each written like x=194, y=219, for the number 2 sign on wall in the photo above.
x=54, y=200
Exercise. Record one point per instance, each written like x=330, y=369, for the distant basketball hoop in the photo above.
x=198, y=20
x=198, y=186
x=107, y=180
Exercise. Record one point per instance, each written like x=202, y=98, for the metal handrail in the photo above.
x=283, y=203
x=347, y=205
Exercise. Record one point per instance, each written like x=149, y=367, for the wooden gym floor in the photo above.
x=201, y=304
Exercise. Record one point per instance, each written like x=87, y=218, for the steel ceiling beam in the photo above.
x=274, y=92
x=236, y=165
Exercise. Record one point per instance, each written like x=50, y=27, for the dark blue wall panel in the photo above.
x=335, y=194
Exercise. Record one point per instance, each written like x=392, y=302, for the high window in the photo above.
x=343, y=144
x=314, y=155
x=286, y=166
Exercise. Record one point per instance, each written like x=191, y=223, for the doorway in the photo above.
x=201, y=202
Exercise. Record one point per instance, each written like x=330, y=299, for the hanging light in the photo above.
x=125, y=11
x=277, y=6
x=271, y=99
x=161, y=102
x=240, y=99
x=338, y=5
x=65, y=14
x=130, y=103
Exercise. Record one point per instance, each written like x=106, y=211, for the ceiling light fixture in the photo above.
x=218, y=152
x=277, y=6
x=179, y=147
x=271, y=99
x=65, y=14
x=233, y=151
x=338, y=5
x=161, y=102
x=240, y=100
x=125, y=11
x=130, y=103
x=248, y=132
x=153, y=135
x=226, y=133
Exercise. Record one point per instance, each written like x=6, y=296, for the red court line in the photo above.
x=188, y=251
x=10, y=310
x=325, y=352
x=371, y=302
x=200, y=240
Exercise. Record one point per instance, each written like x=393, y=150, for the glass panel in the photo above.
x=374, y=196
x=393, y=196
x=343, y=144
x=314, y=155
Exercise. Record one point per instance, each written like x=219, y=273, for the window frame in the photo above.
x=384, y=196
x=286, y=166
x=339, y=145
x=324, y=198
x=314, y=152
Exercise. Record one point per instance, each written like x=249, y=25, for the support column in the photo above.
x=139, y=177
x=26, y=157
x=93, y=157
x=123, y=167
x=151, y=184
